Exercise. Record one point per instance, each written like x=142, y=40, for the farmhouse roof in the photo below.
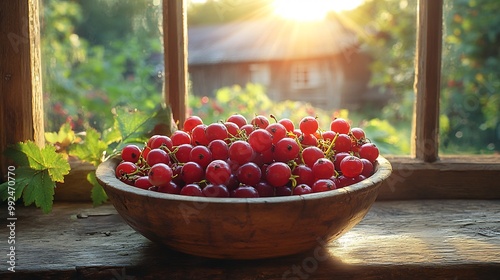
x=267, y=40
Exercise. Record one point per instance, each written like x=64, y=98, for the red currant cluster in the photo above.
x=237, y=158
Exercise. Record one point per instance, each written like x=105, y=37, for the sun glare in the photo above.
x=310, y=10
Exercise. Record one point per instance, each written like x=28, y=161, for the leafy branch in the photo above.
x=39, y=168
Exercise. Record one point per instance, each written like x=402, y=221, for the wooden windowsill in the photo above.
x=418, y=239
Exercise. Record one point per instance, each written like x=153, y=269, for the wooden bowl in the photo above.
x=242, y=228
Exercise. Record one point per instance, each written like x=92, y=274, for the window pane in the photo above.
x=98, y=55
x=354, y=61
x=470, y=95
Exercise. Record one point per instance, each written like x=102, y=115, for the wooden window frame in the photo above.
x=260, y=73
x=305, y=75
x=423, y=174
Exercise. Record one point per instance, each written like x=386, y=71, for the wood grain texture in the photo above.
x=425, y=142
x=445, y=239
x=460, y=177
x=21, y=112
x=76, y=187
x=175, y=49
x=239, y=228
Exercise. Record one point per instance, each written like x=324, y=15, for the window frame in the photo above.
x=422, y=174
x=305, y=75
x=260, y=73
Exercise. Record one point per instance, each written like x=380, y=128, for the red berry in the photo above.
x=143, y=183
x=201, y=155
x=249, y=174
x=191, y=122
x=351, y=166
x=219, y=149
x=198, y=136
x=286, y=149
x=323, y=168
x=308, y=125
x=304, y=175
x=237, y=119
x=191, y=190
x=283, y=191
x=180, y=137
x=302, y=189
x=260, y=140
x=218, y=172
x=171, y=188
x=145, y=152
x=347, y=181
x=151, y=139
x=308, y=140
x=328, y=135
x=232, y=129
x=340, y=125
x=264, y=189
x=216, y=131
x=160, y=174
x=217, y=190
x=311, y=154
x=161, y=141
x=260, y=121
x=192, y=172
x=157, y=156
x=125, y=172
x=342, y=143
x=367, y=168
x=278, y=174
x=358, y=133
x=183, y=153
x=240, y=151
x=323, y=185
x=277, y=130
x=288, y=124
x=131, y=153
x=266, y=156
x=245, y=191
x=338, y=159
x=369, y=151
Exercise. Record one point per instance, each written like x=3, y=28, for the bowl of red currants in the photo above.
x=246, y=189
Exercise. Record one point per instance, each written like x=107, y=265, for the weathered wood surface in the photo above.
x=21, y=101
x=426, y=239
x=175, y=50
x=425, y=144
x=451, y=177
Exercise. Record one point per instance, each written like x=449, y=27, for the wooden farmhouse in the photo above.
x=318, y=62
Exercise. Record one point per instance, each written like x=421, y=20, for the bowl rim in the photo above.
x=106, y=177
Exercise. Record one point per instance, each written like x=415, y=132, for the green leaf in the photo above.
x=133, y=125
x=91, y=149
x=29, y=154
x=40, y=189
x=66, y=135
x=22, y=177
x=98, y=194
x=110, y=136
x=163, y=116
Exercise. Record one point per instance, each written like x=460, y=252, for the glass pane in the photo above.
x=351, y=59
x=99, y=55
x=470, y=94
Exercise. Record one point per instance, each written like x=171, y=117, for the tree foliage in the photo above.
x=85, y=75
x=471, y=80
x=470, y=95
